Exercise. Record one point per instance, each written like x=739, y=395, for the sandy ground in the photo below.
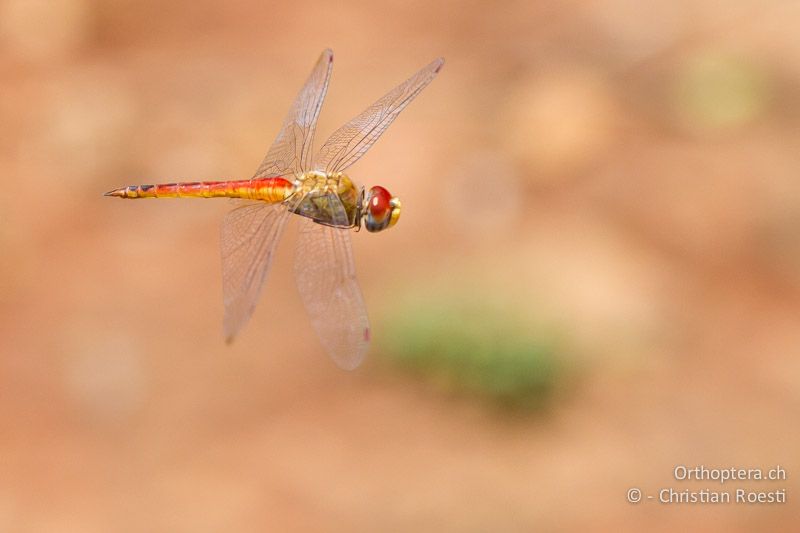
x=627, y=176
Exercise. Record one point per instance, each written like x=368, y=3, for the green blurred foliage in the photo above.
x=478, y=347
x=717, y=91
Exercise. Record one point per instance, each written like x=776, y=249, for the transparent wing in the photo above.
x=291, y=151
x=250, y=234
x=351, y=141
x=326, y=278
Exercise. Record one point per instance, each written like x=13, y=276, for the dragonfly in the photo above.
x=293, y=180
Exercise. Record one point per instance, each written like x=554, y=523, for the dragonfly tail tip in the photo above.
x=116, y=192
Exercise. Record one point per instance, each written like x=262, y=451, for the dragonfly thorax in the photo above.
x=319, y=192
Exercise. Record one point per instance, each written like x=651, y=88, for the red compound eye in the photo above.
x=379, y=203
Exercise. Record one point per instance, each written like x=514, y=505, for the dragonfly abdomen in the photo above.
x=271, y=190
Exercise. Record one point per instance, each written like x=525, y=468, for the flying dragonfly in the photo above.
x=292, y=180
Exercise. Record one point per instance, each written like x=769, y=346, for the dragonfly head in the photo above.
x=382, y=209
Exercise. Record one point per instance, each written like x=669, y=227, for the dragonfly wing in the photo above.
x=291, y=151
x=351, y=141
x=250, y=234
x=326, y=278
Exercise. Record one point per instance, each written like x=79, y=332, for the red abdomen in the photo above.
x=271, y=190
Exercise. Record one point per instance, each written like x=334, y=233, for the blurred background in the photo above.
x=596, y=277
